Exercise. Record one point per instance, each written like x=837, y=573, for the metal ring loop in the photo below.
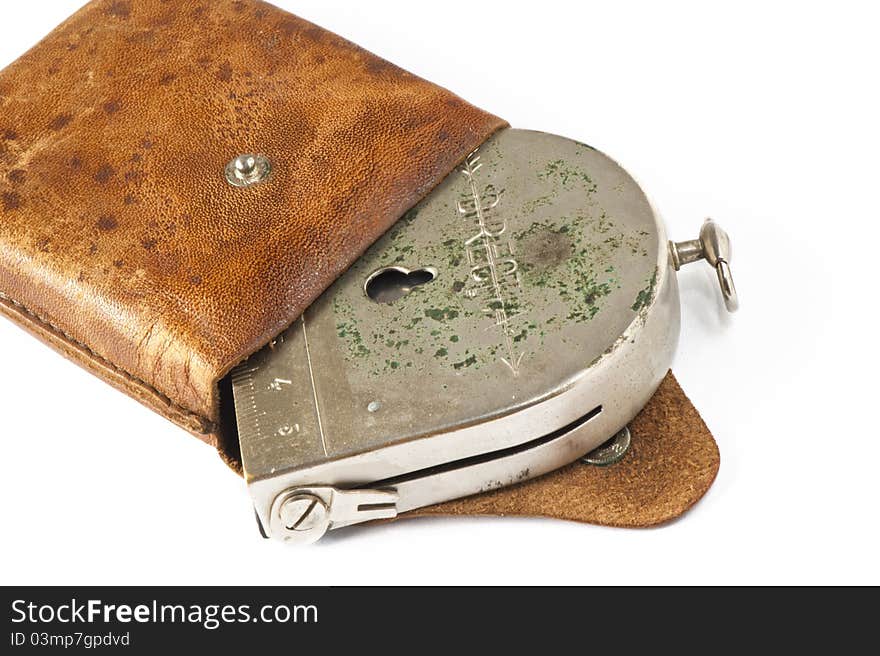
x=728, y=289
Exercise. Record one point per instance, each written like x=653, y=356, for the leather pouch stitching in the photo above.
x=207, y=425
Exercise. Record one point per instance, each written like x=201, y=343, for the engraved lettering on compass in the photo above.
x=277, y=384
x=287, y=429
x=494, y=277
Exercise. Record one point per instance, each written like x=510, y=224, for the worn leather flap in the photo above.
x=122, y=244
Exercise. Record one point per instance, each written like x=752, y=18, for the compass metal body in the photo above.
x=512, y=322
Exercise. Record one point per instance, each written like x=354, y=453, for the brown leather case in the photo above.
x=121, y=243
x=123, y=247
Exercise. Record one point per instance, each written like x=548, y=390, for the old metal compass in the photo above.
x=511, y=323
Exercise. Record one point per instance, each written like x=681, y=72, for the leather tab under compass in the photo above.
x=672, y=463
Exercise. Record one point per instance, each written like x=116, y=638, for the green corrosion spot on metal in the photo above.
x=520, y=336
x=565, y=258
x=567, y=175
x=454, y=253
x=533, y=205
x=645, y=296
x=405, y=220
x=586, y=305
x=570, y=257
x=446, y=314
x=402, y=252
x=347, y=329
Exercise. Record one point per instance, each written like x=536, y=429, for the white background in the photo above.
x=763, y=115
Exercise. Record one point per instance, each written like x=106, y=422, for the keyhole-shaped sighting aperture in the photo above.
x=393, y=283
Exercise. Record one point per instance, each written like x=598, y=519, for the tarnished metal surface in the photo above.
x=528, y=268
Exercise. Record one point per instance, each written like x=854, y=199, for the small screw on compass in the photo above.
x=304, y=513
x=612, y=451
